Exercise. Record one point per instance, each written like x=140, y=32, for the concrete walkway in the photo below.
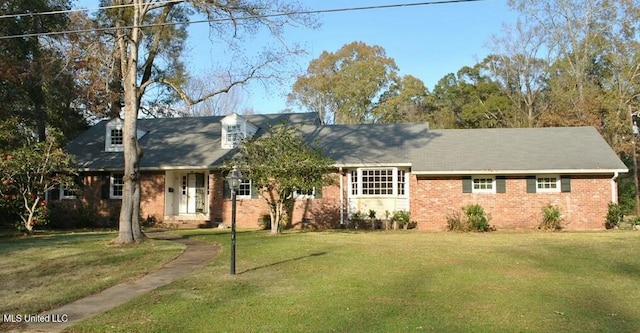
x=196, y=255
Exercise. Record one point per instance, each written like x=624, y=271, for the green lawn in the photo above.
x=406, y=281
x=46, y=270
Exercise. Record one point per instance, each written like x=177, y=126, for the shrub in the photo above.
x=551, y=219
x=357, y=220
x=478, y=219
x=475, y=219
x=402, y=218
x=614, y=216
x=455, y=222
x=264, y=222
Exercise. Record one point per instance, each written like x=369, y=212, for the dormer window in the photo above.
x=234, y=129
x=234, y=135
x=114, y=136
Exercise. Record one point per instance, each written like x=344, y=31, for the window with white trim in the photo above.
x=483, y=184
x=245, y=189
x=234, y=135
x=547, y=184
x=67, y=191
x=116, y=186
x=378, y=182
x=308, y=194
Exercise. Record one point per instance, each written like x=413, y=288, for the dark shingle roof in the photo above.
x=173, y=143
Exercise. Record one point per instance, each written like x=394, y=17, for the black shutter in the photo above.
x=501, y=184
x=104, y=188
x=531, y=184
x=54, y=194
x=254, y=191
x=318, y=193
x=565, y=184
x=226, y=191
x=466, y=185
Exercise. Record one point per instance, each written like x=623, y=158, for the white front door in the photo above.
x=192, y=193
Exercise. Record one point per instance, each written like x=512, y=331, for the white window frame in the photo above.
x=476, y=185
x=245, y=187
x=298, y=195
x=231, y=140
x=112, y=185
x=356, y=188
x=65, y=187
x=108, y=144
x=542, y=180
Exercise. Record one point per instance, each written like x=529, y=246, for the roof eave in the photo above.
x=519, y=172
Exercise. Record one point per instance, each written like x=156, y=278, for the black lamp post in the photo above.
x=234, y=178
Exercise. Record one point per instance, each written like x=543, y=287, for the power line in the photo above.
x=77, y=10
x=318, y=11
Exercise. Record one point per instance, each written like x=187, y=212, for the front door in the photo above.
x=192, y=193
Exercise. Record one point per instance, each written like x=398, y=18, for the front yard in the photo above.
x=393, y=281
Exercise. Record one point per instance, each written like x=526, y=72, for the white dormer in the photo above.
x=114, y=135
x=234, y=129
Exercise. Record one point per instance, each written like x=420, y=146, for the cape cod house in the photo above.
x=512, y=173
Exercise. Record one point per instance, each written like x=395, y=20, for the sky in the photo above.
x=427, y=41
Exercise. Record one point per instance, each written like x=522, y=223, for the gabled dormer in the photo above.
x=234, y=129
x=114, y=135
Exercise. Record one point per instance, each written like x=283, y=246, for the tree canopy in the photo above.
x=280, y=163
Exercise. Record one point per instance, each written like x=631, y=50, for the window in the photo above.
x=233, y=135
x=117, y=186
x=378, y=182
x=67, y=192
x=547, y=184
x=308, y=194
x=401, y=182
x=354, y=182
x=116, y=137
x=483, y=185
x=245, y=189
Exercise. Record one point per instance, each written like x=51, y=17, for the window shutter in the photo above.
x=54, y=194
x=501, y=184
x=531, y=184
x=318, y=193
x=226, y=191
x=565, y=184
x=466, y=184
x=254, y=191
x=104, y=188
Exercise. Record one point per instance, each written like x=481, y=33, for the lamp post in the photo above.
x=234, y=178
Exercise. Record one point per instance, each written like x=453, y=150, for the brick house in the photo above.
x=512, y=173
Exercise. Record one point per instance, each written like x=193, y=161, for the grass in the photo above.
x=46, y=270
x=398, y=282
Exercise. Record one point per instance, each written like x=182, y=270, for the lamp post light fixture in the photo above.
x=234, y=178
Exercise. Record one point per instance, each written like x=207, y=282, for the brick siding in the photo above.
x=584, y=208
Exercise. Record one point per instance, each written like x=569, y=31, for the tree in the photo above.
x=147, y=29
x=473, y=99
x=27, y=174
x=37, y=88
x=343, y=86
x=278, y=164
x=406, y=100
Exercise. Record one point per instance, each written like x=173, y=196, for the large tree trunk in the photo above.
x=129, y=222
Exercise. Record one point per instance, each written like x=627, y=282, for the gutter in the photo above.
x=341, y=198
x=614, y=188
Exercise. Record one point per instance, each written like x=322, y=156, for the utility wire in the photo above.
x=76, y=10
x=318, y=11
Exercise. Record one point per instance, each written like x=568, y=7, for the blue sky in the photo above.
x=426, y=41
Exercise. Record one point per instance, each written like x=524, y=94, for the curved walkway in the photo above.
x=196, y=254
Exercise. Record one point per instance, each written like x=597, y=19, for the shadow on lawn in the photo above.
x=284, y=261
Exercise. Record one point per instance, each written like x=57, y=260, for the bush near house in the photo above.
x=551, y=218
x=615, y=215
x=475, y=219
